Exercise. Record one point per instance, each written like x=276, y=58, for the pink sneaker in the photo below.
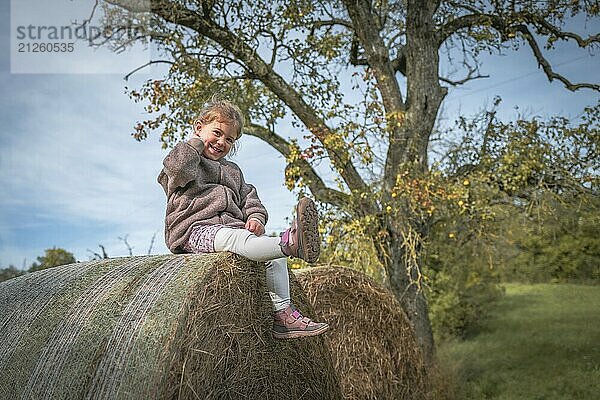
x=289, y=324
x=301, y=240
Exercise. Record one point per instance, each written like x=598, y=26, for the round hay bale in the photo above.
x=372, y=344
x=153, y=327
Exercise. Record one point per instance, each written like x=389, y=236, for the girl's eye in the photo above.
x=217, y=133
x=229, y=140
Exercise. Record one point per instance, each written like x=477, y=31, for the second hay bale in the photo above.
x=372, y=344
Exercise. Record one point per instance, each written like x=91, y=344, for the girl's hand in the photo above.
x=255, y=227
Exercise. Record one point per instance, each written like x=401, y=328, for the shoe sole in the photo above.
x=309, y=243
x=299, y=334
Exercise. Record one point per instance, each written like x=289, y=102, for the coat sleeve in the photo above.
x=181, y=165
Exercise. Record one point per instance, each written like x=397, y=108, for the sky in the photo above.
x=71, y=175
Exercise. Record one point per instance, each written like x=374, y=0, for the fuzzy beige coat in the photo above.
x=201, y=191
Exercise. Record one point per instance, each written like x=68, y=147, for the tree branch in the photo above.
x=543, y=62
x=500, y=24
x=146, y=65
x=333, y=22
x=378, y=58
x=316, y=185
x=97, y=256
x=376, y=53
x=469, y=21
x=151, y=243
x=541, y=22
x=126, y=243
x=470, y=76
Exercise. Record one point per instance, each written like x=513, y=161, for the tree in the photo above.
x=286, y=58
x=52, y=258
x=9, y=273
x=97, y=256
x=515, y=200
x=531, y=181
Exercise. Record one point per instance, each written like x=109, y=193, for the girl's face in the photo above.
x=218, y=138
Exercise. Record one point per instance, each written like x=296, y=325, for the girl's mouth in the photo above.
x=213, y=148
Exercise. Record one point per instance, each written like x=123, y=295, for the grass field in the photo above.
x=540, y=342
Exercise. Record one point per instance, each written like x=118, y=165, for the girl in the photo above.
x=211, y=208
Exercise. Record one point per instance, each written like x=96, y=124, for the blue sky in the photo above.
x=73, y=177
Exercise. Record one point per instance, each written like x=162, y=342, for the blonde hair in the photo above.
x=222, y=111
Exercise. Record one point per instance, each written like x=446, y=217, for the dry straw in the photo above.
x=161, y=327
x=373, y=347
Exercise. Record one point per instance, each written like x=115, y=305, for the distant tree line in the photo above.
x=52, y=258
x=57, y=256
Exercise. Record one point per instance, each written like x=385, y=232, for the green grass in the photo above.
x=540, y=342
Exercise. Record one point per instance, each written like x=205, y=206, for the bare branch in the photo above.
x=470, y=76
x=89, y=19
x=316, y=185
x=151, y=243
x=543, y=62
x=392, y=41
x=465, y=6
x=99, y=256
x=129, y=248
x=333, y=22
x=275, y=46
x=541, y=22
x=146, y=65
x=500, y=24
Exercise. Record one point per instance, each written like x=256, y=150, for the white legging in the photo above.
x=260, y=248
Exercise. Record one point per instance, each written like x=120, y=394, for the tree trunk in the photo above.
x=423, y=99
x=403, y=275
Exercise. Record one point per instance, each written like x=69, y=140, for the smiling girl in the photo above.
x=211, y=208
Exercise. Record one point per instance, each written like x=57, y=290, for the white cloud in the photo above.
x=70, y=156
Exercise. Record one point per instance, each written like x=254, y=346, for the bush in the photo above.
x=462, y=288
x=564, y=246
